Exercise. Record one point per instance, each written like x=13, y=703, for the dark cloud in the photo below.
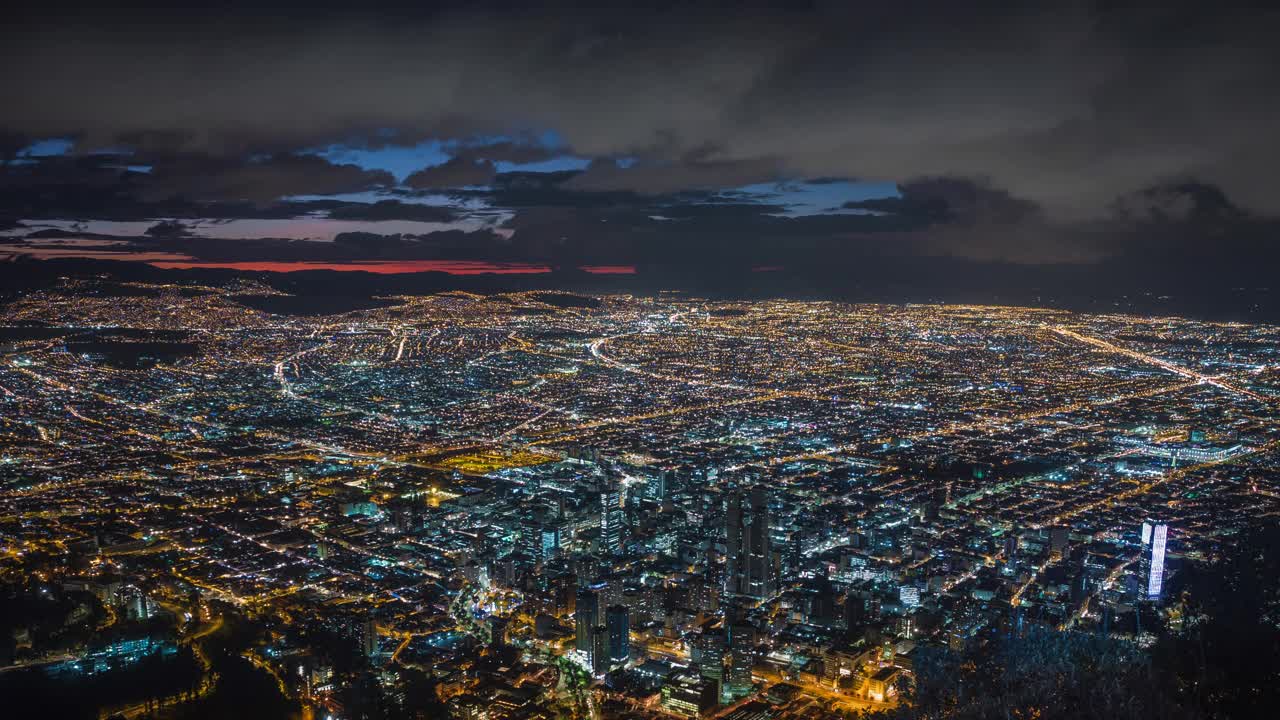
x=258, y=180
x=928, y=209
x=957, y=216
x=694, y=171
x=69, y=187
x=1068, y=107
x=476, y=165
x=169, y=230
x=673, y=232
x=517, y=153
x=456, y=172
x=954, y=201
x=392, y=210
x=11, y=143
x=196, y=186
x=527, y=189
x=1191, y=203
x=1193, y=232
x=705, y=208
x=1087, y=133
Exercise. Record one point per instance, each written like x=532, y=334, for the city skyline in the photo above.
x=659, y=360
x=672, y=505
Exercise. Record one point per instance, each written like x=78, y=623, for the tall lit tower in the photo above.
x=586, y=619
x=618, y=622
x=611, y=517
x=749, y=557
x=539, y=537
x=735, y=555
x=737, y=681
x=1151, y=562
x=369, y=637
x=759, y=555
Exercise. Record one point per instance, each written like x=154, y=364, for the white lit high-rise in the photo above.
x=1151, y=563
x=611, y=517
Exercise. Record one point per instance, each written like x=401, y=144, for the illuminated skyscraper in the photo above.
x=599, y=652
x=737, y=681
x=759, y=555
x=611, y=517
x=749, y=561
x=618, y=622
x=586, y=618
x=710, y=649
x=539, y=536
x=1151, y=562
x=369, y=637
x=735, y=560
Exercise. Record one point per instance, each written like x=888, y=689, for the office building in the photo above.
x=611, y=517
x=709, y=647
x=749, y=559
x=740, y=642
x=618, y=622
x=688, y=695
x=598, y=656
x=586, y=618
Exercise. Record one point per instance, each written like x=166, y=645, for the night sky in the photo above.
x=1104, y=148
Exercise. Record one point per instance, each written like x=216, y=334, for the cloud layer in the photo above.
x=1069, y=108
x=1018, y=134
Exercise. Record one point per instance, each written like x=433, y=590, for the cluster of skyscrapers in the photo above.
x=749, y=569
x=602, y=634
